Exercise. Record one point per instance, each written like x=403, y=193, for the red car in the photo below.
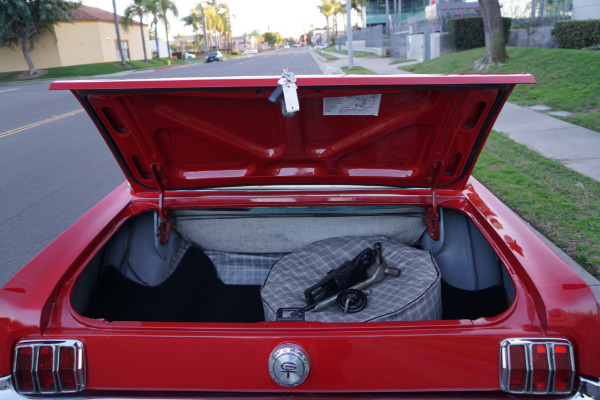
x=304, y=237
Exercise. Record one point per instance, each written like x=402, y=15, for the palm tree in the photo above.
x=119, y=46
x=213, y=23
x=164, y=6
x=194, y=20
x=225, y=17
x=359, y=7
x=138, y=8
x=152, y=7
x=336, y=9
x=326, y=8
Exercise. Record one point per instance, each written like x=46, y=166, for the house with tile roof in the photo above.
x=90, y=38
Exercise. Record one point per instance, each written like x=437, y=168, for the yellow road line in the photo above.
x=54, y=118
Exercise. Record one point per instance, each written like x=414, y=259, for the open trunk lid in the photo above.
x=407, y=131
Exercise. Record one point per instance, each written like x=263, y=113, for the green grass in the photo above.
x=401, y=61
x=544, y=193
x=356, y=70
x=567, y=80
x=328, y=57
x=88, y=69
x=356, y=53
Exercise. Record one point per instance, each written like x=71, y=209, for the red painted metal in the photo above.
x=402, y=356
x=224, y=132
x=315, y=80
x=447, y=355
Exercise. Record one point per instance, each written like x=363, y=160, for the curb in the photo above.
x=171, y=67
x=324, y=67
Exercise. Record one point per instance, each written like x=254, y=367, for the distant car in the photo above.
x=214, y=56
x=320, y=46
x=233, y=262
x=189, y=56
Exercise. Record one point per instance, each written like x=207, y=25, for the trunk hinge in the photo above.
x=432, y=218
x=164, y=214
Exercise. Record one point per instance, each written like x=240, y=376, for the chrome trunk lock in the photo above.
x=287, y=87
x=289, y=365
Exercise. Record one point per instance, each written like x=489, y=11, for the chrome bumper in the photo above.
x=589, y=389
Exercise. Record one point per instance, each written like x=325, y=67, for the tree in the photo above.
x=495, y=48
x=152, y=7
x=137, y=8
x=326, y=9
x=164, y=6
x=359, y=7
x=272, y=38
x=336, y=9
x=119, y=45
x=225, y=17
x=195, y=21
x=23, y=21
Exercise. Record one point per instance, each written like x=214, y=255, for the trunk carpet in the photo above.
x=472, y=304
x=193, y=293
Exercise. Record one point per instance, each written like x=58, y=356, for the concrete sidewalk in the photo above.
x=573, y=146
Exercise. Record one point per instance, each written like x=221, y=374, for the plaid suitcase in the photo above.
x=413, y=296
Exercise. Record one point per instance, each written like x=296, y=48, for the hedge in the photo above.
x=577, y=34
x=467, y=33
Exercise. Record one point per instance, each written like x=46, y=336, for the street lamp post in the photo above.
x=349, y=33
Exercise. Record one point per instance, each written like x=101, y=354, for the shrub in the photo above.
x=577, y=34
x=467, y=33
x=236, y=53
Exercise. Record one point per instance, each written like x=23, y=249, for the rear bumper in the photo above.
x=589, y=389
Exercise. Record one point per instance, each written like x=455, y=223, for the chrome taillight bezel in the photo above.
x=79, y=369
x=528, y=344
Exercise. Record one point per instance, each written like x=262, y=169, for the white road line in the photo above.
x=8, y=90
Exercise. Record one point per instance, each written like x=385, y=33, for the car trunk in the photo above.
x=238, y=224
x=215, y=262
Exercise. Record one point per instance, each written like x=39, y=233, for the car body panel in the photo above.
x=447, y=344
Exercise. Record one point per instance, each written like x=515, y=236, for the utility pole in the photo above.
x=349, y=33
x=388, y=19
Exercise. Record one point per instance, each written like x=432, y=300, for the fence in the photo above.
x=399, y=43
x=373, y=36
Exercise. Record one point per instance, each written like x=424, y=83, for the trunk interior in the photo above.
x=224, y=266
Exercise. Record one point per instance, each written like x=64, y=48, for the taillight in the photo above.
x=536, y=366
x=49, y=366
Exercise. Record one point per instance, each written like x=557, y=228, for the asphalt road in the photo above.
x=54, y=166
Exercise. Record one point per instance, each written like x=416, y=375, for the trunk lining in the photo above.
x=193, y=293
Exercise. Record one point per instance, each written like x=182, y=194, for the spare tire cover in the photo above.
x=413, y=296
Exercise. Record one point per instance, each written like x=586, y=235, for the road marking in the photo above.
x=8, y=90
x=54, y=118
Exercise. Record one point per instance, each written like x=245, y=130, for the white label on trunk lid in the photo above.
x=367, y=104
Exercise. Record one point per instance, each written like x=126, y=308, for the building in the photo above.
x=245, y=44
x=586, y=9
x=90, y=38
x=410, y=9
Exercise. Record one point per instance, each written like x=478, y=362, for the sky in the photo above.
x=290, y=18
